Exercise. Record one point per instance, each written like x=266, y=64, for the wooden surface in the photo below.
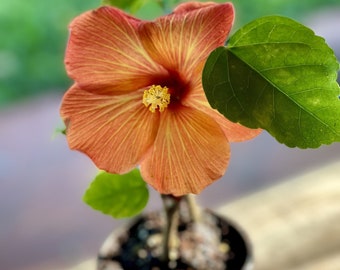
x=292, y=226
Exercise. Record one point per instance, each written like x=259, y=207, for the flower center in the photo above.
x=156, y=97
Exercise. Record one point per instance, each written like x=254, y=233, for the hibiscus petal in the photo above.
x=115, y=132
x=233, y=131
x=184, y=38
x=189, y=6
x=189, y=153
x=104, y=53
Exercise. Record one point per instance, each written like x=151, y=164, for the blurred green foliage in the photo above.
x=33, y=35
x=248, y=10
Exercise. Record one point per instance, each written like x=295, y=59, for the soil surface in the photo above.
x=212, y=243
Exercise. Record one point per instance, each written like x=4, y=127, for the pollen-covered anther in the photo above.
x=156, y=97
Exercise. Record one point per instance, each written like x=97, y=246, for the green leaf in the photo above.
x=132, y=5
x=58, y=131
x=276, y=74
x=118, y=195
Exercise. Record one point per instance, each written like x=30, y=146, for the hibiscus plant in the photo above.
x=158, y=102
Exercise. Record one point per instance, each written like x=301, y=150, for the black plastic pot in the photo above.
x=137, y=247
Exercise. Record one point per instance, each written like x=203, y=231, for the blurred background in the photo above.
x=43, y=222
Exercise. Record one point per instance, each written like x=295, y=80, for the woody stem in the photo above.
x=170, y=238
x=194, y=209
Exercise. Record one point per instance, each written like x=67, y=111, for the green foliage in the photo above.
x=118, y=195
x=277, y=75
x=130, y=5
x=32, y=45
x=247, y=11
x=34, y=34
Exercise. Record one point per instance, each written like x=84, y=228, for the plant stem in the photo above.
x=170, y=239
x=194, y=209
x=172, y=213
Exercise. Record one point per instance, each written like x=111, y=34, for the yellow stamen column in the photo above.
x=156, y=97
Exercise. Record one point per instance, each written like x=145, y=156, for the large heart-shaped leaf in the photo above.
x=118, y=195
x=276, y=74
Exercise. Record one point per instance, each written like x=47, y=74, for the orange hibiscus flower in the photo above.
x=138, y=98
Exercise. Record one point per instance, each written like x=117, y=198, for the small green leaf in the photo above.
x=131, y=5
x=118, y=3
x=60, y=130
x=276, y=74
x=118, y=195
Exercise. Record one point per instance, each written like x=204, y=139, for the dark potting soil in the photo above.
x=140, y=246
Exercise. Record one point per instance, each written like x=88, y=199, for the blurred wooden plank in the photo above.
x=86, y=265
x=331, y=262
x=294, y=225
